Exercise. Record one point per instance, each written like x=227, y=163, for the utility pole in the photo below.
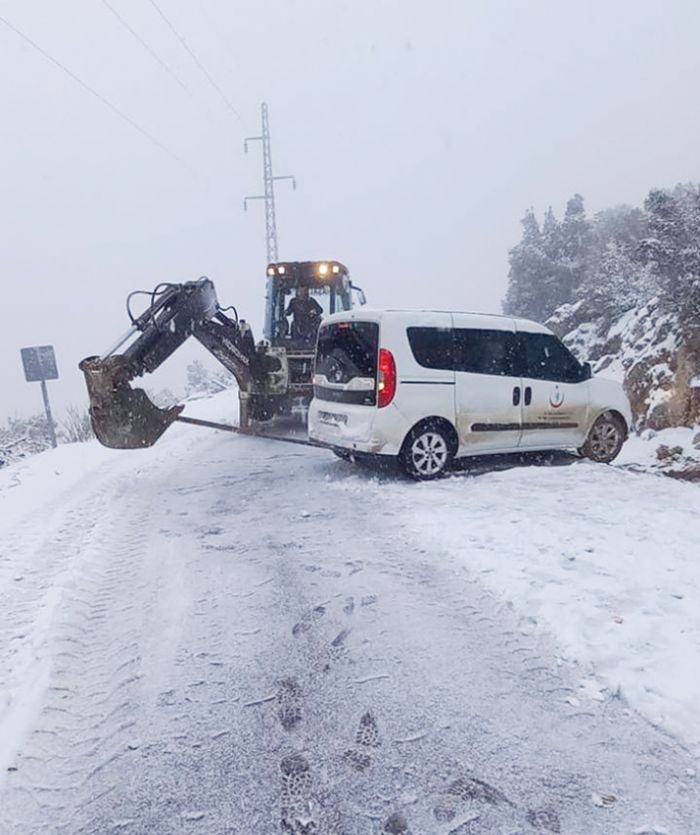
x=269, y=186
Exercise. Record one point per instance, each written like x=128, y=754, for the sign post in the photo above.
x=39, y=366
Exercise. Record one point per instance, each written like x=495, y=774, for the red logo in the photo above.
x=556, y=398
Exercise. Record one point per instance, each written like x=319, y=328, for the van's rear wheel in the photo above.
x=605, y=439
x=427, y=452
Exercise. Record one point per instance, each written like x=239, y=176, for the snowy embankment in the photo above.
x=606, y=560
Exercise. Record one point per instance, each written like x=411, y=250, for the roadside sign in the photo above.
x=39, y=363
x=39, y=366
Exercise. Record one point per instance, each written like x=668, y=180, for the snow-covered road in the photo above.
x=233, y=635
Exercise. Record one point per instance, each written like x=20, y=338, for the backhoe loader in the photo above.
x=272, y=374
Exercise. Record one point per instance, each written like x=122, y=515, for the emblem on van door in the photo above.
x=556, y=398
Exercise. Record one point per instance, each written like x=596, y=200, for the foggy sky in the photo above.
x=419, y=133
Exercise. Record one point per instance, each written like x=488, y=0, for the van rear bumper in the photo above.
x=349, y=427
x=374, y=447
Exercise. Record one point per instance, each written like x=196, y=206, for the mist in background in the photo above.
x=418, y=133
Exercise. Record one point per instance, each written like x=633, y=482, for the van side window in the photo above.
x=546, y=358
x=431, y=347
x=485, y=352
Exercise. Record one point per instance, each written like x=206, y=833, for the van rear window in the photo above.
x=347, y=351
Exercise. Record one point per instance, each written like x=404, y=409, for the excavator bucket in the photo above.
x=122, y=417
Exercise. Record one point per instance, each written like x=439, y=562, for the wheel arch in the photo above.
x=616, y=413
x=433, y=422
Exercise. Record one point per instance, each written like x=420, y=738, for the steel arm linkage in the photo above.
x=125, y=418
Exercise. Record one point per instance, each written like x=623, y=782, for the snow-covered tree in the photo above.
x=576, y=237
x=200, y=380
x=623, y=225
x=555, y=282
x=549, y=264
x=616, y=282
x=21, y=437
x=528, y=271
x=672, y=247
x=76, y=426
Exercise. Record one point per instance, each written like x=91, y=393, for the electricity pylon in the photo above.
x=269, y=186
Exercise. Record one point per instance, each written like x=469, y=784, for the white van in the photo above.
x=430, y=386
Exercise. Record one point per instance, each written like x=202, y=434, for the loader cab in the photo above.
x=321, y=288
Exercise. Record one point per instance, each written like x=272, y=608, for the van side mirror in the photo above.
x=587, y=370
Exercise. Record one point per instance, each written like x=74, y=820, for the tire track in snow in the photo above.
x=38, y=564
x=91, y=668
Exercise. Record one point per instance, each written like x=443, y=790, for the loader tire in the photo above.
x=261, y=409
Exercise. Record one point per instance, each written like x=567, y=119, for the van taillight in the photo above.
x=386, y=379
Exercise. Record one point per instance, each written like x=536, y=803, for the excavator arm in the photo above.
x=125, y=418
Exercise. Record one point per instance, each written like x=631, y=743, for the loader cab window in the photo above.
x=297, y=310
x=332, y=299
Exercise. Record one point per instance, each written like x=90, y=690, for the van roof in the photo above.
x=377, y=314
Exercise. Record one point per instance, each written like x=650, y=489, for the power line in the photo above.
x=201, y=66
x=100, y=97
x=143, y=43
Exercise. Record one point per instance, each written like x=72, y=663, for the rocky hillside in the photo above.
x=623, y=290
x=656, y=356
x=651, y=351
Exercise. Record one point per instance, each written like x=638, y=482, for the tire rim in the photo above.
x=605, y=439
x=429, y=453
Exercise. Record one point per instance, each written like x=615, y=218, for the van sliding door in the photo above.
x=488, y=389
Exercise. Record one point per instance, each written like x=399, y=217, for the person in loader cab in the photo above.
x=307, y=314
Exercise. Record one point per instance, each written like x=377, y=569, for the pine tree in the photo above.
x=620, y=259
x=624, y=225
x=554, y=280
x=615, y=275
x=575, y=248
x=198, y=378
x=617, y=284
x=528, y=268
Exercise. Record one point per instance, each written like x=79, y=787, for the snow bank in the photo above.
x=49, y=475
x=46, y=476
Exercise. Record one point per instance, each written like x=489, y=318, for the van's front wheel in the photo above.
x=605, y=439
x=427, y=452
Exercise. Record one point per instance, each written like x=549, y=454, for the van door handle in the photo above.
x=528, y=395
x=516, y=396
